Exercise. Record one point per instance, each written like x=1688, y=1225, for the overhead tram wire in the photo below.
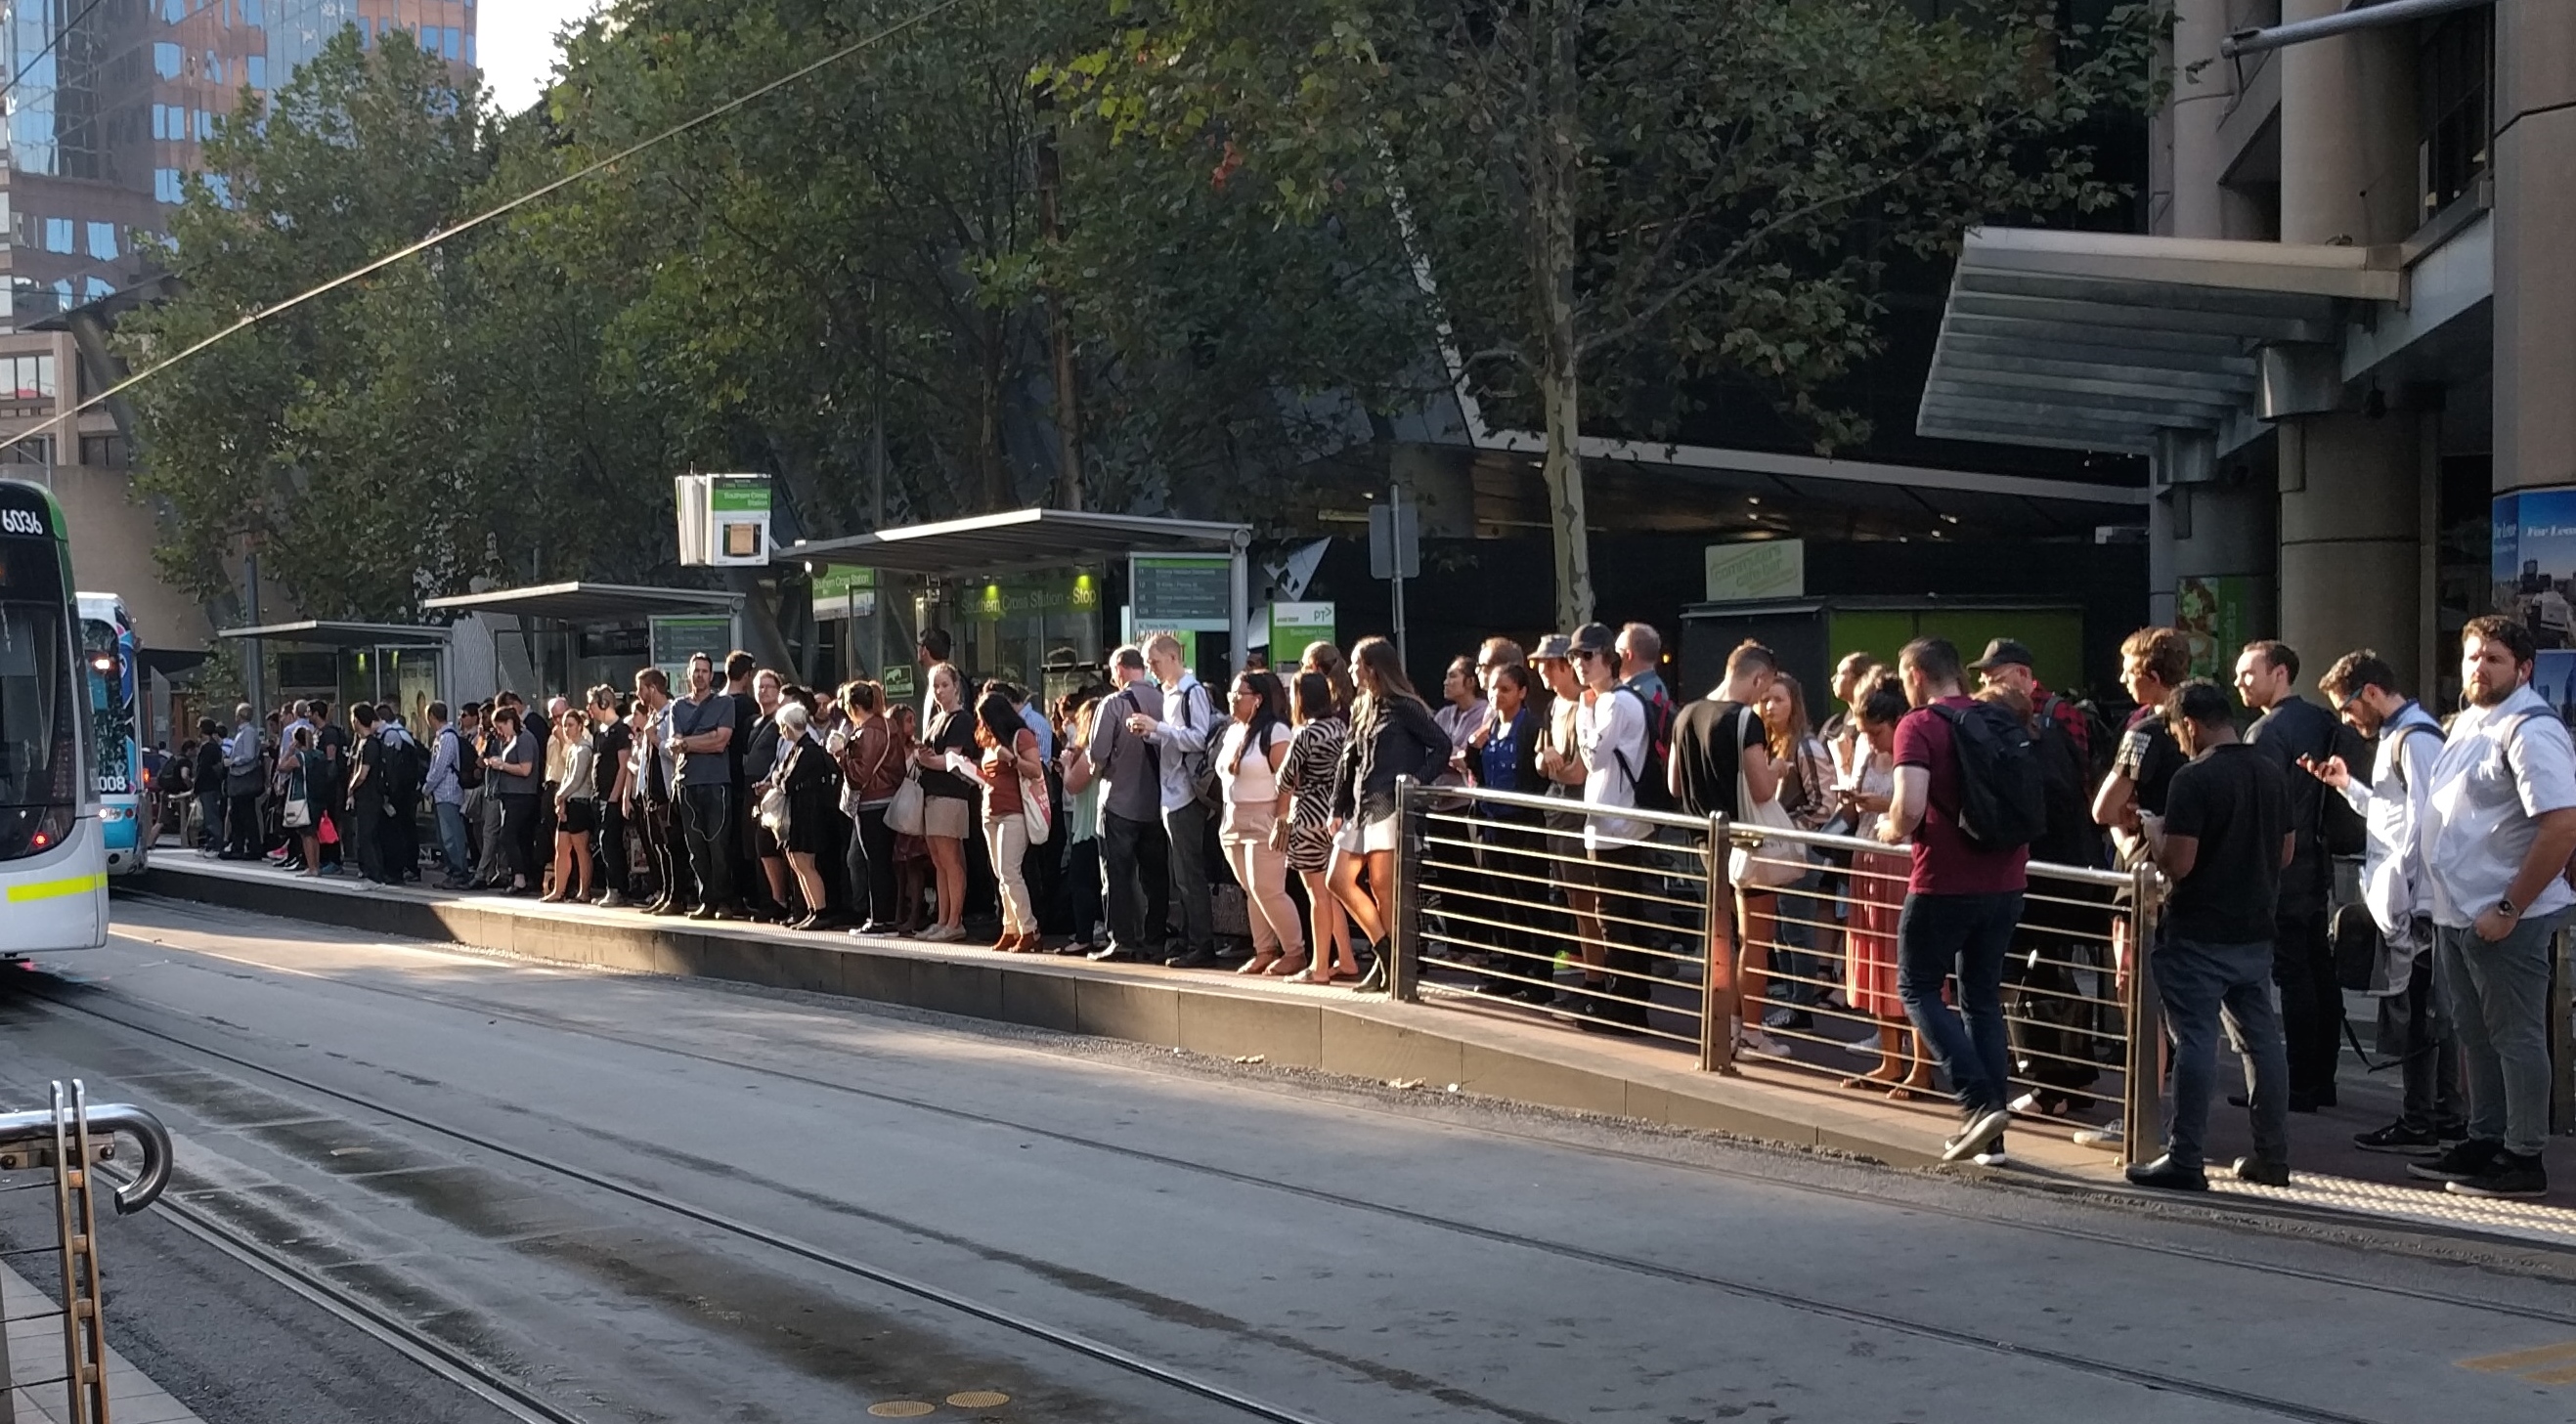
x=543, y=190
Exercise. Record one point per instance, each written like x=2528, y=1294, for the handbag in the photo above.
x=903, y=814
x=298, y=814
x=1765, y=864
x=1037, y=813
x=773, y=810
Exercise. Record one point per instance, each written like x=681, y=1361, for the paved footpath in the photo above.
x=35, y=1326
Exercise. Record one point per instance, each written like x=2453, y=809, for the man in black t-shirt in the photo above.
x=739, y=670
x=366, y=799
x=2223, y=841
x=2291, y=733
x=332, y=741
x=1711, y=735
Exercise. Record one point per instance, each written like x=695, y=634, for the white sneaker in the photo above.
x=1992, y=1157
x=1754, y=1040
x=1977, y=1136
x=942, y=934
x=2112, y=1134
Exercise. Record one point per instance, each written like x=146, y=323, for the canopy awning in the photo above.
x=1019, y=539
x=588, y=602
x=2098, y=341
x=344, y=635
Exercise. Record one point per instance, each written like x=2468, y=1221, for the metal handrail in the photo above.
x=35, y=1127
x=1749, y=836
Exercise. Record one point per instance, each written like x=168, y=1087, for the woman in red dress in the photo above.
x=1878, y=895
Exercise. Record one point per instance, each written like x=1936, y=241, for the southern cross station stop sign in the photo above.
x=724, y=519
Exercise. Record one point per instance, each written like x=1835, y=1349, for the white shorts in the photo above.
x=1366, y=837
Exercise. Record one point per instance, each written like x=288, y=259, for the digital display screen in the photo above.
x=30, y=568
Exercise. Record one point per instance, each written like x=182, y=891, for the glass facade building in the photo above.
x=114, y=101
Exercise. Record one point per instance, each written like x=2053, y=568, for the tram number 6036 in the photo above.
x=21, y=521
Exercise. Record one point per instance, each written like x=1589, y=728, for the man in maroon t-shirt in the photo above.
x=1961, y=903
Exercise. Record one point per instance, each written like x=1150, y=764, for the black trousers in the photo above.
x=402, y=840
x=2311, y=999
x=1139, y=883
x=609, y=857
x=368, y=833
x=519, y=835
x=871, y=866
x=1509, y=890
x=707, y=816
x=1081, y=887
x=666, y=851
x=241, y=824
x=1619, y=875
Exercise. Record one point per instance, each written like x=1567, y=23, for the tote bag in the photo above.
x=1037, y=813
x=903, y=814
x=1766, y=864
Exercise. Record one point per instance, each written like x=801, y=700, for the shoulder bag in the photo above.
x=1762, y=863
x=903, y=814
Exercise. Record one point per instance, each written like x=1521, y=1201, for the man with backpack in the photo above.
x=366, y=796
x=406, y=770
x=1129, y=768
x=1968, y=797
x=2294, y=732
x=446, y=788
x=1641, y=651
x=2414, y=1027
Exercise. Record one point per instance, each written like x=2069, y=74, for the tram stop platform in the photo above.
x=1448, y=1042
x=35, y=1328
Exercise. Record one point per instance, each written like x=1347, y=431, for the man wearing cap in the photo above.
x=2007, y=664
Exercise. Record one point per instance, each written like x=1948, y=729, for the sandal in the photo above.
x=1258, y=964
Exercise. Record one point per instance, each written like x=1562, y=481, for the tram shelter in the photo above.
x=567, y=637
x=407, y=664
x=1034, y=596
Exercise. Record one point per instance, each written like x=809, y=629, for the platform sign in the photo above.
x=1193, y=592
x=844, y=593
x=724, y=519
x=678, y=638
x=1760, y=568
x=1296, y=626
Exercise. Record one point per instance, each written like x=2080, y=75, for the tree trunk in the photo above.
x=997, y=477
x=1552, y=182
x=1068, y=412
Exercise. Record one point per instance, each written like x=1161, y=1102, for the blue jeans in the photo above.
x=1969, y=935
x=1794, y=934
x=2499, y=1000
x=2203, y=986
x=451, y=840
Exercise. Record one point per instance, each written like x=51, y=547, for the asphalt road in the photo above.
x=749, y=1169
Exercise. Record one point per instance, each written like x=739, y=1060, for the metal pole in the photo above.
x=1395, y=565
x=1717, y=996
x=251, y=678
x=1402, y=936
x=2562, y=1038
x=2142, y=1126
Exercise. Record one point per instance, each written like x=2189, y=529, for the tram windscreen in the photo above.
x=39, y=738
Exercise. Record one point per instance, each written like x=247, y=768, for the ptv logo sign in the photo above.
x=21, y=521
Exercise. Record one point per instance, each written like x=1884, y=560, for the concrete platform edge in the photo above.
x=1365, y=1038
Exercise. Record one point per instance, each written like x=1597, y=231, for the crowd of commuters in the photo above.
x=1113, y=823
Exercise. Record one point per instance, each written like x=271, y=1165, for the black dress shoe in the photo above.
x=1110, y=954
x=2262, y=1173
x=703, y=912
x=1788, y=1016
x=2165, y=1174
x=1194, y=959
x=1377, y=980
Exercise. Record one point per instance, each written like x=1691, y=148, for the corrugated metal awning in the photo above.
x=2098, y=341
x=327, y=633
x=589, y=602
x=1018, y=539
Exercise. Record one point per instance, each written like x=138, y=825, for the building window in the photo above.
x=165, y=185
x=30, y=450
x=28, y=377
x=107, y=452
x=2454, y=69
x=173, y=11
x=253, y=15
x=453, y=39
x=165, y=59
x=102, y=241
x=58, y=235
x=258, y=66
x=96, y=289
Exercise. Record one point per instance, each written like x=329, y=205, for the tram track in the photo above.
x=1739, y=1288
x=2269, y=1210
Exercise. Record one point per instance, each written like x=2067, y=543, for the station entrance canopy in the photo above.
x=602, y=632
x=965, y=568
x=2117, y=342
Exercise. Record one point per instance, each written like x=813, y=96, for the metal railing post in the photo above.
x=2142, y=1126
x=1718, y=1000
x=1403, y=938
x=2562, y=1037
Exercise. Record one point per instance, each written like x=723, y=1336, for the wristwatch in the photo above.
x=2506, y=909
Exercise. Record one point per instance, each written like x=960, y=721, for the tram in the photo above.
x=113, y=654
x=53, y=845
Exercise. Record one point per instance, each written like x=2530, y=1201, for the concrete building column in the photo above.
x=2535, y=210
x=2351, y=531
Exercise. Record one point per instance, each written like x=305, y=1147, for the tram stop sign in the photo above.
x=1395, y=541
x=724, y=519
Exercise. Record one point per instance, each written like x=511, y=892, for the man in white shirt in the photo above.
x=1610, y=732
x=2413, y=1028
x=2496, y=829
x=1181, y=737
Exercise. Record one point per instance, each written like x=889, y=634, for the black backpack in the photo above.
x=469, y=761
x=1654, y=788
x=2066, y=778
x=2003, y=796
x=410, y=767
